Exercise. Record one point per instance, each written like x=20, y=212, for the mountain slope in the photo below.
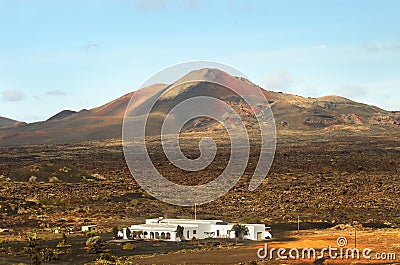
x=7, y=122
x=291, y=112
x=61, y=115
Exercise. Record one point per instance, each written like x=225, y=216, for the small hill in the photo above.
x=7, y=122
x=61, y=115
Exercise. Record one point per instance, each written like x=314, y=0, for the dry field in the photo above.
x=383, y=242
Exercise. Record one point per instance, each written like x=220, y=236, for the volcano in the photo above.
x=291, y=112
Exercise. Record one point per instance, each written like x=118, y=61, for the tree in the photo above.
x=240, y=230
x=128, y=233
x=179, y=231
x=136, y=234
x=115, y=231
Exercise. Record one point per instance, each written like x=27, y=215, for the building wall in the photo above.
x=196, y=228
x=223, y=231
x=196, y=231
x=256, y=232
x=168, y=235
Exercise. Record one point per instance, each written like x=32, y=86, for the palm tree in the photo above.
x=240, y=230
x=179, y=231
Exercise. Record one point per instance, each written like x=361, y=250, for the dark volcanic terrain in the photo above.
x=329, y=176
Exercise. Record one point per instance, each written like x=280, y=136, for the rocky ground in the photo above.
x=325, y=178
x=330, y=177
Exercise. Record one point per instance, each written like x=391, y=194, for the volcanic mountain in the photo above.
x=291, y=112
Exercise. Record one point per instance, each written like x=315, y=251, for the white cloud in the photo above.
x=352, y=91
x=90, y=46
x=382, y=47
x=279, y=80
x=12, y=95
x=55, y=92
x=382, y=94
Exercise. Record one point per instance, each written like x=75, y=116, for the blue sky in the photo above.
x=57, y=55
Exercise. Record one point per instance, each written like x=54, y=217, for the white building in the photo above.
x=165, y=229
x=89, y=228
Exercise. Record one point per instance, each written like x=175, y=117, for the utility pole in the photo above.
x=298, y=224
x=355, y=237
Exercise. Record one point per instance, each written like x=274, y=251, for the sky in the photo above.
x=57, y=55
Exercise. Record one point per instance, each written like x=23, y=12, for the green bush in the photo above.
x=90, y=234
x=94, y=244
x=150, y=216
x=128, y=246
x=194, y=241
x=33, y=248
x=107, y=257
x=49, y=254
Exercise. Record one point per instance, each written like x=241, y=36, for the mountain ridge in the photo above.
x=291, y=112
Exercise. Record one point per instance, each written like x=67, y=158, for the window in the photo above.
x=194, y=232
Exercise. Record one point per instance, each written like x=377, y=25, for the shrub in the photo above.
x=94, y=244
x=54, y=179
x=63, y=242
x=65, y=169
x=33, y=248
x=36, y=168
x=136, y=234
x=107, y=257
x=49, y=255
x=90, y=234
x=115, y=231
x=150, y=216
x=194, y=241
x=128, y=246
x=32, y=179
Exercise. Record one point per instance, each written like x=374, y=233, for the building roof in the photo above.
x=182, y=221
x=159, y=227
